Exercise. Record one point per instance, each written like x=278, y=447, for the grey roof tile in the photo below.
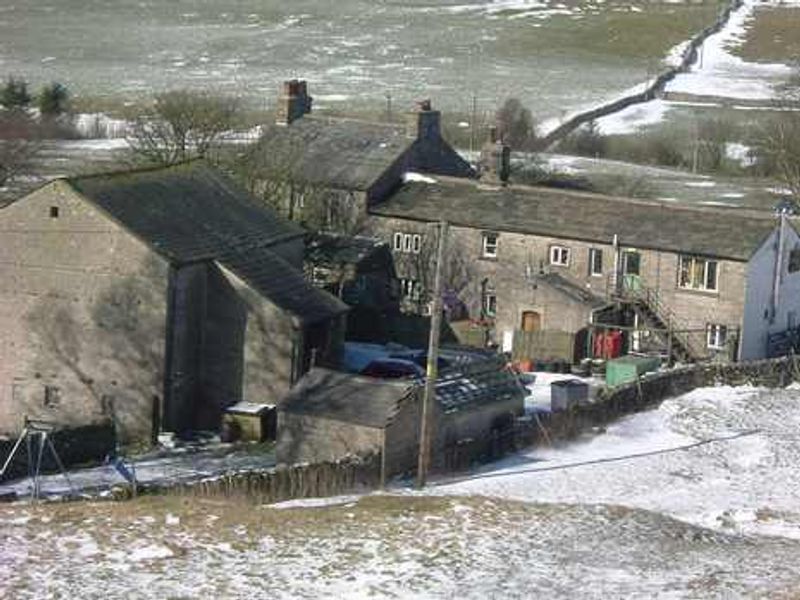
x=722, y=233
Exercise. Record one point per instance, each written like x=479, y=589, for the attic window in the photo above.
x=53, y=212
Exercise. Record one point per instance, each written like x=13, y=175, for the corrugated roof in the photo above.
x=338, y=153
x=721, y=233
x=189, y=213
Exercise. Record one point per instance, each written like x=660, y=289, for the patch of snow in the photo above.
x=700, y=184
x=674, y=57
x=314, y=502
x=718, y=73
x=740, y=153
x=634, y=118
x=410, y=176
x=150, y=552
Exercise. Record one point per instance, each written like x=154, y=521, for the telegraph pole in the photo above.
x=429, y=394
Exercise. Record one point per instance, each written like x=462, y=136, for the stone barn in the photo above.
x=330, y=414
x=155, y=298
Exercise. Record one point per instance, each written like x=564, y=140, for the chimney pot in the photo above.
x=294, y=102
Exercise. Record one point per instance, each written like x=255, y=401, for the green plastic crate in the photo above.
x=629, y=368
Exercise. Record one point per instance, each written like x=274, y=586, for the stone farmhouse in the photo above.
x=546, y=259
x=325, y=172
x=721, y=282
x=155, y=298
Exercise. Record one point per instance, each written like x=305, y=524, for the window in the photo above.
x=53, y=212
x=697, y=273
x=716, y=336
x=631, y=262
x=52, y=396
x=489, y=245
x=595, y=262
x=410, y=289
x=407, y=242
x=559, y=255
x=490, y=304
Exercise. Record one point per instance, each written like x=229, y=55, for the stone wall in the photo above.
x=648, y=392
x=82, y=315
x=330, y=478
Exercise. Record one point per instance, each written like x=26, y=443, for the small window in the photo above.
x=52, y=396
x=489, y=245
x=397, y=242
x=416, y=243
x=407, y=242
x=696, y=273
x=631, y=262
x=489, y=303
x=716, y=336
x=559, y=255
x=53, y=212
x=595, y=262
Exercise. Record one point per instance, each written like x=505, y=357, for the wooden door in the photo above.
x=531, y=321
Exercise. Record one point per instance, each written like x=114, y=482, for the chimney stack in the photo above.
x=294, y=102
x=425, y=124
x=495, y=161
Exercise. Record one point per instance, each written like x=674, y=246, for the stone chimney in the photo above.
x=495, y=161
x=425, y=123
x=293, y=103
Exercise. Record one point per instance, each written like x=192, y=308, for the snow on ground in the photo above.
x=719, y=73
x=747, y=482
x=642, y=510
x=175, y=466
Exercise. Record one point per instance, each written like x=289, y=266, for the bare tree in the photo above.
x=777, y=146
x=269, y=170
x=20, y=140
x=420, y=267
x=515, y=125
x=182, y=125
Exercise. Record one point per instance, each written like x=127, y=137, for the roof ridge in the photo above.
x=147, y=168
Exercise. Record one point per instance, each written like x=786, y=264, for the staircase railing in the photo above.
x=632, y=288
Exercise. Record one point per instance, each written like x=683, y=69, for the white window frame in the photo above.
x=407, y=242
x=593, y=254
x=489, y=303
x=397, y=241
x=716, y=336
x=692, y=265
x=416, y=243
x=489, y=248
x=560, y=256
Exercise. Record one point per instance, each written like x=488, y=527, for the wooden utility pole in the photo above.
x=429, y=394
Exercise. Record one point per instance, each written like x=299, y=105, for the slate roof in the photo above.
x=339, y=153
x=190, y=213
x=374, y=402
x=722, y=233
x=346, y=397
x=331, y=250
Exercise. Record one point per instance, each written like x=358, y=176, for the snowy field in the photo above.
x=556, y=55
x=699, y=498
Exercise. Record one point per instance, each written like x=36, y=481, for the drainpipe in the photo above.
x=615, y=274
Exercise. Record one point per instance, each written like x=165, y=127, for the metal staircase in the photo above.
x=651, y=308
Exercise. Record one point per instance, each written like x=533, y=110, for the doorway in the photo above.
x=531, y=321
